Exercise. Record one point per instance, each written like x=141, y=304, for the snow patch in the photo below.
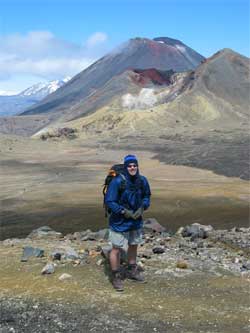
x=181, y=48
x=66, y=79
x=186, y=53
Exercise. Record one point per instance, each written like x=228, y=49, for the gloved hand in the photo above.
x=138, y=213
x=128, y=214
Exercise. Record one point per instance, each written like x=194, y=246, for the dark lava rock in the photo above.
x=158, y=250
x=56, y=256
x=246, y=266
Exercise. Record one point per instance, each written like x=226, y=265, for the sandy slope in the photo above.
x=60, y=184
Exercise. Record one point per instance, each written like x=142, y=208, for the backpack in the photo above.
x=115, y=171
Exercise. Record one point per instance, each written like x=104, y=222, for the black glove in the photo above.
x=128, y=214
x=138, y=213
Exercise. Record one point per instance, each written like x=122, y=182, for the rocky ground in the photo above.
x=198, y=280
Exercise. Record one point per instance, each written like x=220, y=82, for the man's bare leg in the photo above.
x=132, y=254
x=114, y=258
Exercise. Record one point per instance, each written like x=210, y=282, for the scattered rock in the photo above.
x=29, y=251
x=11, y=241
x=179, y=231
x=84, y=254
x=49, y=268
x=102, y=234
x=154, y=225
x=93, y=253
x=239, y=239
x=56, y=256
x=194, y=231
x=182, y=264
x=100, y=262
x=210, y=256
x=65, y=276
x=158, y=250
x=70, y=254
x=246, y=266
x=146, y=255
x=140, y=265
x=89, y=235
x=166, y=235
x=94, y=236
x=44, y=232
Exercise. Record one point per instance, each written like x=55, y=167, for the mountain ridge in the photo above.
x=188, y=99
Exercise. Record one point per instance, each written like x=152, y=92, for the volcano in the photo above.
x=162, y=54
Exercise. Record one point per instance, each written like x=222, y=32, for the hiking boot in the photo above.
x=135, y=274
x=117, y=281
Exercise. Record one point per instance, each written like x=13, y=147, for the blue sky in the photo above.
x=45, y=40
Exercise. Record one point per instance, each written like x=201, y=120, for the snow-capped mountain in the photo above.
x=12, y=104
x=42, y=89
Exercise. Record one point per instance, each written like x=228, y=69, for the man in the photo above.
x=126, y=203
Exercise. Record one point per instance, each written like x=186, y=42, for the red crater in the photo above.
x=146, y=76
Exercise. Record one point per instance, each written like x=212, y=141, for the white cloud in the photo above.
x=49, y=67
x=96, y=38
x=42, y=54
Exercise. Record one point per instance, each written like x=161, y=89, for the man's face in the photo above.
x=132, y=169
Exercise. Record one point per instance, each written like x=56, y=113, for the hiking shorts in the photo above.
x=122, y=239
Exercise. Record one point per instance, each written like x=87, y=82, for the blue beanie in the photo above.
x=130, y=159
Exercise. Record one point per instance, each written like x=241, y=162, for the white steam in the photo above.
x=146, y=98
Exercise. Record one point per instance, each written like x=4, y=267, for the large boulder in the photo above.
x=195, y=231
x=29, y=251
x=151, y=224
x=44, y=232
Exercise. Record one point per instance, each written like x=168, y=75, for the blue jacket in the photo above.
x=135, y=195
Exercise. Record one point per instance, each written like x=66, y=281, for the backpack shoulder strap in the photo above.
x=142, y=184
x=123, y=183
x=122, y=176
